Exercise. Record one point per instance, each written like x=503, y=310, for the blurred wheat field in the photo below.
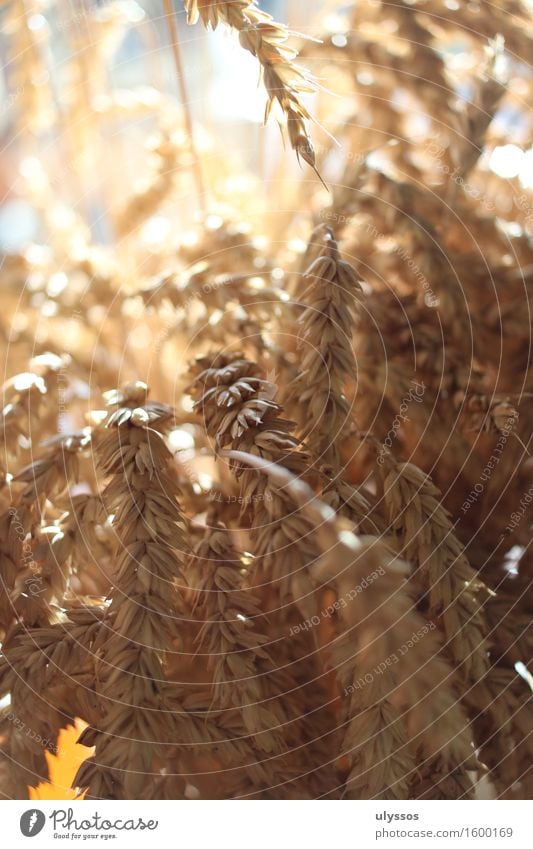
x=265, y=467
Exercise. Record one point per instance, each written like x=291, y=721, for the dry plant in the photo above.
x=265, y=467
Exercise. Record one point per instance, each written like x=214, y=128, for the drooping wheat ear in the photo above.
x=142, y=495
x=265, y=39
x=330, y=296
x=453, y=594
x=238, y=411
x=48, y=673
x=401, y=715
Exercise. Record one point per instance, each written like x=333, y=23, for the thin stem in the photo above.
x=174, y=43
